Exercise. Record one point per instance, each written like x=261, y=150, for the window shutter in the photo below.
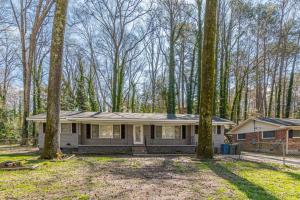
x=158, y=132
x=183, y=131
x=196, y=129
x=44, y=127
x=123, y=131
x=152, y=131
x=88, y=131
x=74, y=129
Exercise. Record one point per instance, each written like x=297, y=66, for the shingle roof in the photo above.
x=284, y=122
x=77, y=115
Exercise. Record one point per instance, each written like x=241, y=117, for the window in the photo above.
x=268, y=134
x=183, y=132
x=106, y=131
x=158, y=132
x=219, y=130
x=74, y=128
x=44, y=127
x=168, y=132
x=171, y=132
x=116, y=131
x=95, y=131
x=294, y=133
x=241, y=136
x=65, y=128
x=88, y=131
x=177, y=132
x=152, y=131
x=123, y=131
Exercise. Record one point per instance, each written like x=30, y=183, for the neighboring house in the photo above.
x=91, y=132
x=265, y=133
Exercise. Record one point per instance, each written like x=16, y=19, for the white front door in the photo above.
x=138, y=135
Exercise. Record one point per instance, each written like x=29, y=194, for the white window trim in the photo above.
x=164, y=132
x=68, y=124
x=142, y=134
x=237, y=136
x=268, y=138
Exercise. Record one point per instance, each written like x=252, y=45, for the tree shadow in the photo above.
x=251, y=190
x=293, y=175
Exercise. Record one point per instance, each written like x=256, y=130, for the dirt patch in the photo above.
x=152, y=178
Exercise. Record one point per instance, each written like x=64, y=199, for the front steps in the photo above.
x=139, y=150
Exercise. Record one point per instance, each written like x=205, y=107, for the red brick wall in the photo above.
x=294, y=144
x=280, y=136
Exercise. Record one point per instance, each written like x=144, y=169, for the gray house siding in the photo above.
x=67, y=138
x=112, y=141
x=71, y=141
x=160, y=141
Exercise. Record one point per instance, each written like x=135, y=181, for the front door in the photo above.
x=138, y=136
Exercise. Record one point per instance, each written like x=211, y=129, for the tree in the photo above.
x=81, y=95
x=52, y=140
x=205, y=147
x=27, y=56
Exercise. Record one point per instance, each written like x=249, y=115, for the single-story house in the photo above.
x=268, y=134
x=103, y=132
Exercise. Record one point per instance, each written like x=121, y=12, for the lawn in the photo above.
x=126, y=177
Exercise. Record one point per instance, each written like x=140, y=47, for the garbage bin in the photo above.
x=224, y=149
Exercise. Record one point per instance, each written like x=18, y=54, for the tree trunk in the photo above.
x=52, y=135
x=205, y=146
x=199, y=53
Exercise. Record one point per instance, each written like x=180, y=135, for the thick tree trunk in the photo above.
x=52, y=135
x=205, y=145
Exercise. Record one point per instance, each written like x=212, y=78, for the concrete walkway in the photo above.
x=267, y=158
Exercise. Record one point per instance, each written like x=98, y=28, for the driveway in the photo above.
x=267, y=158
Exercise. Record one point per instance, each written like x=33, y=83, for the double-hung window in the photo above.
x=268, y=135
x=106, y=131
x=294, y=133
x=241, y=136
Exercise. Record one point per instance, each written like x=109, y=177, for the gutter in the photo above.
x=192, y=122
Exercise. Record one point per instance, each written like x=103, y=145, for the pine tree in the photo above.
x=81, y=95
x=92, y=96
